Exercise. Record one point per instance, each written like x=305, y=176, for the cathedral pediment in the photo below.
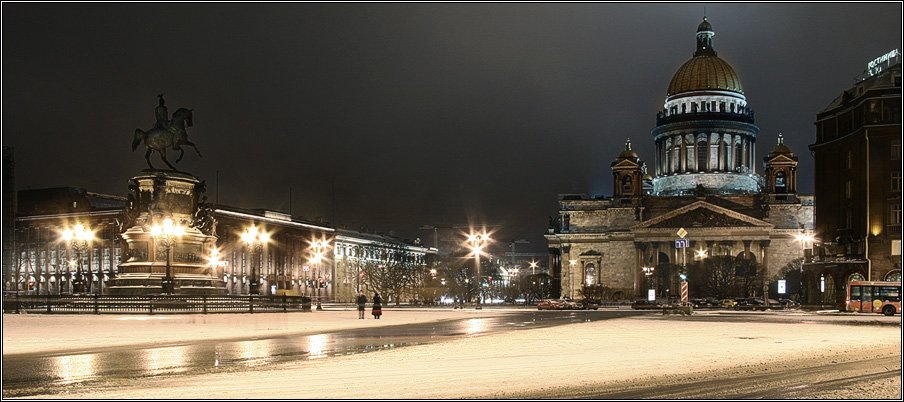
x=702, y=214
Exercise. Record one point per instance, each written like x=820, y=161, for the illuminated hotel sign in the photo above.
x=875, y=67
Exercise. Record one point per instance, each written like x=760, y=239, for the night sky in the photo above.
x=393, y=116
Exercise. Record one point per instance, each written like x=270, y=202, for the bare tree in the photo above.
x=718, y=275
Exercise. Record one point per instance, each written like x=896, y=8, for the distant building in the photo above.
x=858, y=188
x=46, y=265
x=705, y=183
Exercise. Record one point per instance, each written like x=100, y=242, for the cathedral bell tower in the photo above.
x=780, y=170
x=628, y=173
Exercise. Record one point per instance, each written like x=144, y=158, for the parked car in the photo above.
x=645, y=305
x=588, y=304
x=550, y=304
x=728, y=303
x=788, y=303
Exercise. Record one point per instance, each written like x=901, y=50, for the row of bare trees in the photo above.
x=448, y=276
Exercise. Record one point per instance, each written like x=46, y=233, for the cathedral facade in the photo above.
x=705, y=191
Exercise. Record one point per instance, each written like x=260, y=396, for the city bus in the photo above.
x=874, y=297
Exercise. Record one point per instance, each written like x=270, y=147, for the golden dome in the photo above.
x=705, y=72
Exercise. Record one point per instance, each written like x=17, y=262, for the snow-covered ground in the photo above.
x=490, y=366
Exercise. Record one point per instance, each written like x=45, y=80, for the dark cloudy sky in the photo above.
x=403, y=114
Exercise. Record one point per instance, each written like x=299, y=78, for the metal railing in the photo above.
x=158, y=304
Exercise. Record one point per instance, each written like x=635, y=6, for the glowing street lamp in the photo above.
x=78, y=239
x=255, y=239
x=318, y=252
x=533, y=267
x=167, y=235
x=476, y=242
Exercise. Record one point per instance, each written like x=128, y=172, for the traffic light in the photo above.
x=682, y=277
x=682, y=274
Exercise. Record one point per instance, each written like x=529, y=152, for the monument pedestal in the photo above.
x=156, y=195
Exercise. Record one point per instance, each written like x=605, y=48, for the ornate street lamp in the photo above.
x=167, y=235
x=255, y=239
x=476, y=242
x=78, y=239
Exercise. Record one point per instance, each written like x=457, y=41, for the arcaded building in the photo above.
x=704, y=181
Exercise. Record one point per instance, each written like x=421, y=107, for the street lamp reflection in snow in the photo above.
x=78, y=239
x=255, y=239
x=166, y=235
x=476, y=242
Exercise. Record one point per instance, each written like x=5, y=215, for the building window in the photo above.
x=590, y=275
x=896, y=181
x=848, y=187
x=702, y=156
x=896, y=151
x=894, y=218
x=850, y=160
x=896, y=249
x=780, y=186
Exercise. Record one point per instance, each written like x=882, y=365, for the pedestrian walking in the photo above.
x=362, y=301
x=378, y=306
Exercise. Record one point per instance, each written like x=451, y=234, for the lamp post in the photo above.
x=805, y=238
x=533, y=267
x=476, y=242
x=648, y=273
x=78, y=239
x=167, y=234
x=318, y=248
x=255, y=239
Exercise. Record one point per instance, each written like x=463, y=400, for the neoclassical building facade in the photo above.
x=706, y=185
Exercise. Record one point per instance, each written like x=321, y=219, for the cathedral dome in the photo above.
x=705, y=72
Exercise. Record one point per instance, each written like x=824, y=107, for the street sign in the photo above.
x=306, y=268
x=651, y=294
x=682, y=233
x=682, y=243
x=781, y=286
x=684, y=292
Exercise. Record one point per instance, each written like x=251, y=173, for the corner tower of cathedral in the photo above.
x=705, y=135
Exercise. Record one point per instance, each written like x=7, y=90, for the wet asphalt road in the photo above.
x=56, y=374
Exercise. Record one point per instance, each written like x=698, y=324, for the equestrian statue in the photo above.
x=166, y=133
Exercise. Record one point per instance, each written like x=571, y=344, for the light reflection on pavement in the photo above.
x=48, y=374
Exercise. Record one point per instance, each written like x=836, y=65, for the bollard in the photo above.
x=96, y=311
x=284, y=307
x=151, y=305
x=204, y=303
x=48, y=303
x=251, y=303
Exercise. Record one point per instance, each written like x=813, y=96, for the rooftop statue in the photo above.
x=166, y=133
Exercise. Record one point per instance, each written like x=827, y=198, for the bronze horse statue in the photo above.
x=168, y=134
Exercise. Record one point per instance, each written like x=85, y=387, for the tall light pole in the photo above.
x=78, y=239
x=255, y=239
x=318, y=249
x=476, y=242
x=533, y=267
x=167, y=234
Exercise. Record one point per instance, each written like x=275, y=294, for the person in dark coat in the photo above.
x=362, y=301
x=378, y=306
